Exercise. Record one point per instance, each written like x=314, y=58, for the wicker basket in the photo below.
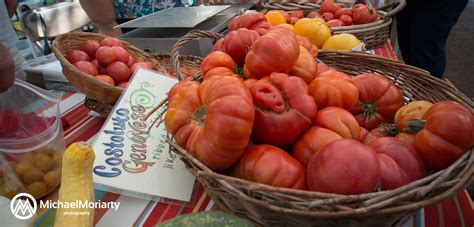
x=103, y=109
x=274, y=206
x=94, y=89
x=373, y=34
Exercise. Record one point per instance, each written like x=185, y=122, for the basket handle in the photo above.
x=396, y=9
x=194, y=34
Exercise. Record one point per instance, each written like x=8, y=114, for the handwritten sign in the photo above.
x=131, y=154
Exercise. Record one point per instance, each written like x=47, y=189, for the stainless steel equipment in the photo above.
x=157, y=34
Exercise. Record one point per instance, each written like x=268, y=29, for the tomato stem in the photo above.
x=200, y=114
x=415, y=125
x=389, y=129
x=369, y=109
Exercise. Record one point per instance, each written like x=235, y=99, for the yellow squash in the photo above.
x=76, y=185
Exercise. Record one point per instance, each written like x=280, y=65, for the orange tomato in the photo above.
x=305, y=67
x=413, y=110
x=213, y=120
x=334, y=88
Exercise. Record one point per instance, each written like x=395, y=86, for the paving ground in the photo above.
x=460, y=52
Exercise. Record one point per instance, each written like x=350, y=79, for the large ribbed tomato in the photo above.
x=332, y=123
x=276, y=51
x=379, y=100
x=400, y=164
x=305, y=67
x=212, y=121
x=283, y=108
x=254, y=21
x=237, y=43
x=344, y=167
x=334, y=88
x=218, y=63
x=270, y=165
x=448, y=132
x=313, y=49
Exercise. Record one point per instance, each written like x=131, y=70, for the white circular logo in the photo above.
x=22, y=208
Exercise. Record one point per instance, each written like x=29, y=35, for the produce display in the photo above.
x=106, y=61
x=268, y=113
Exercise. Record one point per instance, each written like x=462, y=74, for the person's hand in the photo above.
x=110, y=30
x=7, y=69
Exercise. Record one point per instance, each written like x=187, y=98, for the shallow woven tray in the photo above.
x=372, y=34
x=94, y=89
x=274, y=206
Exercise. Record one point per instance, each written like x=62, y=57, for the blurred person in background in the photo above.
x=107, y=14
x=11, y=60
x=423, y=28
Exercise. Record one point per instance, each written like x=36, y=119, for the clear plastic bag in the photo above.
x=31, y=141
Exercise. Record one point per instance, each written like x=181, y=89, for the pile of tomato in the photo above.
x=267, y=112
x=106, y=61
x=332, y=13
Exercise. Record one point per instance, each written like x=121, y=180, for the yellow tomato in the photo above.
x=341, y=42
x=313, y=29
x=275, y=17
x=289, y=26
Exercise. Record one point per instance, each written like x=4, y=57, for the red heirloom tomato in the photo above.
x=346, y=19
x=86, y=67
x=248, y=20
x=293, y=20
x=237, y=43
x=131, y=61
x=276, y=51
x=296, y=13
x=329, y=6
x=399, y=162
x=212, y=121
x=344, y=167
x=102, y=69
x=447, y=133
x=311, y=143
x=313, y=49
x=334, y=23
x=327, y=16
x=122, y=54
x=119, y=71
x=413, y=110
x=407, y=138
x=283, y=110
x=379, y=100
x=334, y=88
x=217, y=60
x=122, y=84
x=267, y=164
x=365, y=136
x=106, y=78
x=362, y=14
x=340, y=121
x=313, y=14
x=110, y=42
x=90, y=47
x=219, y=45
x=323, y=68
x=105, y=55
x=74, y=56
x=305, y=67
x=344, y=11
x=332, y=123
